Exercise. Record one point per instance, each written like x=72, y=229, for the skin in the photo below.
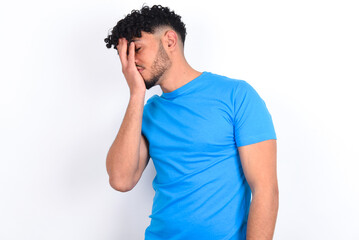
x=158, y=67
x=159, y=60
x=259, y=162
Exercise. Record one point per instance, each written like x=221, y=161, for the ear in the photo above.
x=170, y=40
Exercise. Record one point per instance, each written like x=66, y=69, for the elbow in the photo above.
x=269, y=197
x=119, y=181
x=121, y=185
x=267, y=193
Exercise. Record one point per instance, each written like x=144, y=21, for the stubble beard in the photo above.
x=160, y=65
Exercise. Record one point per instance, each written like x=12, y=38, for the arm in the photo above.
x=259, y=166
x=128, y=155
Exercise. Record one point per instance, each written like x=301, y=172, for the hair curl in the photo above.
x=148, y=20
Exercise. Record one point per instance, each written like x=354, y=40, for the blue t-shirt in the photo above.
x=193, y=134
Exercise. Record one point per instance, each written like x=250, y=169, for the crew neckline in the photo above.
x=184, y=88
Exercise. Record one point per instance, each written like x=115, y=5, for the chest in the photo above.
x=199, y=125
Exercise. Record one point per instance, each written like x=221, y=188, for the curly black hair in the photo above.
x=148, y=20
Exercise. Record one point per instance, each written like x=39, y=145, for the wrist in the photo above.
x=138, y=94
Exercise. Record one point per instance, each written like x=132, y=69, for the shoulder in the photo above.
x=151, y=99
x=237, y=85
x=150, y=103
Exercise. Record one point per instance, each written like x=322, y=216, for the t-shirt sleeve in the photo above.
x=252, y=120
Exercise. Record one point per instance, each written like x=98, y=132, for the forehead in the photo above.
x=145, y=37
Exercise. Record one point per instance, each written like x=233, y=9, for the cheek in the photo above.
x=140, y=58
x=144, y=61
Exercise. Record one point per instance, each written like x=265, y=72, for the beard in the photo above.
x=159, y=66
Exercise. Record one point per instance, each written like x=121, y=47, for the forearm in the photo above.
x=262, y=215
x=123, y=156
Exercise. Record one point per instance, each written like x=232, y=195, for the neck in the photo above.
x=177, y=75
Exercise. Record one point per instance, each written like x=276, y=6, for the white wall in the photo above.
x=63, y=97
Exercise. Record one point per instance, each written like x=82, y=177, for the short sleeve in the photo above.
x=252, y=120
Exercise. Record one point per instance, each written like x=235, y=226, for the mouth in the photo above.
x=140, y=69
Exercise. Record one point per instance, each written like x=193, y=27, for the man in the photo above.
x=211, y=138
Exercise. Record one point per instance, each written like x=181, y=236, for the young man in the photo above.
x=211, y=138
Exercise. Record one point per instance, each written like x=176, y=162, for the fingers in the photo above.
x=122, y=50
x=131, y=54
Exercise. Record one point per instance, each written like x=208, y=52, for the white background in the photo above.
x=63, y=97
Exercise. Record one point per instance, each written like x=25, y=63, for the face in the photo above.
x=151, y=59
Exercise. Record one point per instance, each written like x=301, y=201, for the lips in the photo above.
x=140, y=69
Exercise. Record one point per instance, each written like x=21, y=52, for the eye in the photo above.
x=137, y=49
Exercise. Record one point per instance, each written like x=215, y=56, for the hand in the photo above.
x=133, y=77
